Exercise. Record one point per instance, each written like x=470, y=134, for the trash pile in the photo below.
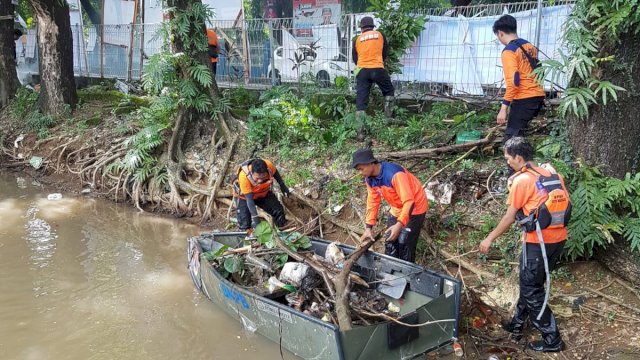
x=264, y=268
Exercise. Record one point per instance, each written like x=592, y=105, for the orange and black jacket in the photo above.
x=518, y=74
x=214, y=47
x=401, y=189
x=370, y=50
x=245, y=188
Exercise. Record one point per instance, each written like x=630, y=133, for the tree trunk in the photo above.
x=609, y=138
x=9, y=80
x=55, y=46
x=618, y=258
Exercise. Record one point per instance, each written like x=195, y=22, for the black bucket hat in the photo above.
x=362, y=156
x=366, y=22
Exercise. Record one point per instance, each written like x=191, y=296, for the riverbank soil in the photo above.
x=88, y=152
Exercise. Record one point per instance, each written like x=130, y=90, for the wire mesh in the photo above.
x=457, y=54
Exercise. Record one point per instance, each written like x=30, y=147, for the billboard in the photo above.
x=310, y=13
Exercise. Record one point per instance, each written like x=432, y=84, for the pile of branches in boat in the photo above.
x=282, y=267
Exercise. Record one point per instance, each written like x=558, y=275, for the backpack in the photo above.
x=554, y=211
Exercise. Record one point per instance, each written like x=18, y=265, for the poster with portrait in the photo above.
x=310, y=13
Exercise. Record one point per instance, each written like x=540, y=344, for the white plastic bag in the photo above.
x=333, y=254
x=293, y=273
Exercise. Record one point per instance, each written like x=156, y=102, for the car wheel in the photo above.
x=278, y=80
x=323, y=79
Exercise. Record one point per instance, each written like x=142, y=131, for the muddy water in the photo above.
x=88, y=279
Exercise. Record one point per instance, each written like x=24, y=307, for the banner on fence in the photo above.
x=464, y=54
x=310, y=13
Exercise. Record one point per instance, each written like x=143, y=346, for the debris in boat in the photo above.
x=334, y=255
x=393, y=308
x=293, y=273
x=275, y=284
x=262, y=266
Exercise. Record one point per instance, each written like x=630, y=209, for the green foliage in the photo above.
x=603, y=208
x=234, y=264
x=592, y=35
x=288, y=115
x=141, y=160
x=24, y=111
x=400, y=28
x=293, y=240
x=23, y=103
x=181, y=75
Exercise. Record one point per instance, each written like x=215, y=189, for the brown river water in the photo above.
x=84, y=278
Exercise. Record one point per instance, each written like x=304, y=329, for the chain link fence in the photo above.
x=457, y=54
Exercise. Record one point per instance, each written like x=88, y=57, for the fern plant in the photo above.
x=603, y=208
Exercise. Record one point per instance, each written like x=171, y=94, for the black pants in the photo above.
x=520, y=114
x=269, y=204
x=408, y=250
x=532, y=279
x=214, y=68
x=365, y=79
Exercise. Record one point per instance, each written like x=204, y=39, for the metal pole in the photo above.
x=538, y=24
x=131, y=39
x=245, y=49
x=272, y=48
x=102, y=40
x=142, y=19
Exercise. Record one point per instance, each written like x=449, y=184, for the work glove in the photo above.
x=255, y=220
x=286, y=191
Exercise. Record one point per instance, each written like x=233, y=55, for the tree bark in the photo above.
x=9, y=81
x=619, y=258
x=55, y=46
x=609, y=138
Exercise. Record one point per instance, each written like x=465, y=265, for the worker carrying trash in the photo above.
x=403, y=191
x=539, y=202
x=251, y=187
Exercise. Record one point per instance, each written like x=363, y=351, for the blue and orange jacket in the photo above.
x=518, y=74
x=400, y=188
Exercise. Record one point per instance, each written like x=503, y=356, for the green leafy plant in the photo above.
x=400, y=27
x=603, y=208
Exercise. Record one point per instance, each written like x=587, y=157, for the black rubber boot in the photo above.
x=514, y=330
x=516, y=325
x=543, y=346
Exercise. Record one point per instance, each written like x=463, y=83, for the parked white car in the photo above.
x=324, y=71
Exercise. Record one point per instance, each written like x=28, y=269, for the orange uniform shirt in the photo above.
x=213, y=40
x=400, y=188
x=518, y=74
x=526, y=195
x=260, y=190
x=369, y=46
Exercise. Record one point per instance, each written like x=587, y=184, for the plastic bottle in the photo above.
x=457, y=349
x=404, y=234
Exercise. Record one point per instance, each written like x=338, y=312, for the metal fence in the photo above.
x=457, y=54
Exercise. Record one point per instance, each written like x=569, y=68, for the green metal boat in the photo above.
x=429, y=297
